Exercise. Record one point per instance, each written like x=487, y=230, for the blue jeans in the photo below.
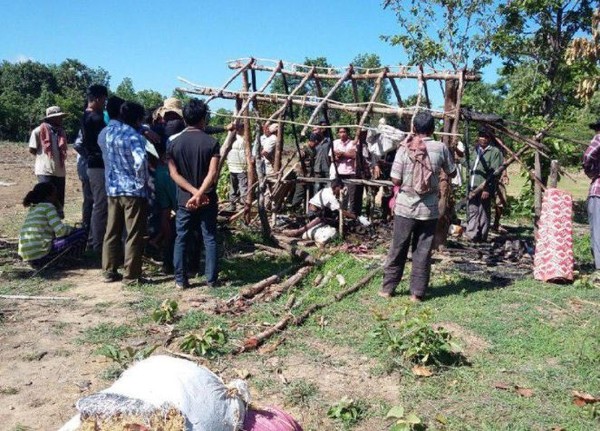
x=204, y=223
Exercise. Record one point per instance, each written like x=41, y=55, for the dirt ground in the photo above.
x=44, y=370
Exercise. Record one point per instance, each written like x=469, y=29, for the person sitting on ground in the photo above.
x=44, y=239
x=322, y=208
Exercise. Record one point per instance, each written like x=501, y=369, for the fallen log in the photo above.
x=255, y=341
x=256, y=288
x=277, y=290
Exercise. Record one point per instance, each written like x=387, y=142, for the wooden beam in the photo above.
x=230, y=80
x=333, y=89
x=305, y=101
x=436, y=75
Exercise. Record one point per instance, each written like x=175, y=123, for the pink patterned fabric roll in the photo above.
x=554, y=239
x=269, y=419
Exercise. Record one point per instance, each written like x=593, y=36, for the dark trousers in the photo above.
x=63, y=248
x=407, y=232
x=355, y=195
x=478, y=222
x=238, y=188
x=593, y=208
x=125, y=214
x=203, y=223
x=59, y=183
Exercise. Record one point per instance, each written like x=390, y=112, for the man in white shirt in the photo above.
x=322, y=208
x=268, y=141
x=238, y=177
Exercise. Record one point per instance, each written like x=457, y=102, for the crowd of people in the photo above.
x=149, y=180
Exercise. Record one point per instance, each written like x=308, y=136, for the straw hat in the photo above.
x=172, y=104
x=54, y=112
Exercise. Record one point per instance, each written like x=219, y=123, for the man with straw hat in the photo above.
x=48, y=143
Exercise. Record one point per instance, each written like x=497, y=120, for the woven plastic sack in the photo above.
x=553, y=260
x=270, y=419
x=384, y=139
x=160, y=383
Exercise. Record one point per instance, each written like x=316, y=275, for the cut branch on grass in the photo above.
x=258, y=287
x=255, y=341
x=36, y=298
x=277, y=290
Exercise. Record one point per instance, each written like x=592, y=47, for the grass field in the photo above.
x=522, y=346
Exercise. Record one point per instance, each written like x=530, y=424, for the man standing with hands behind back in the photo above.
x=193, y=161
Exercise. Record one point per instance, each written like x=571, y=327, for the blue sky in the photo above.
x=153, y=42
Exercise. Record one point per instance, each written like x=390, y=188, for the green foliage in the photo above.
x=300, y=392
x=28, y=88
x=166, y=312
x=582, y=248
x=207, y=343
x=127, y=356
x=347, y=411
x=106, y=333
x=462, y=41
x=403, y=422
x=413, y=337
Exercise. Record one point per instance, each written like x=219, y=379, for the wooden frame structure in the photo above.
x=250, y=95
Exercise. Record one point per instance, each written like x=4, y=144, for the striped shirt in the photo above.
x=41, y=226
x=126, y=162
x=591, y=165
x=410, y=204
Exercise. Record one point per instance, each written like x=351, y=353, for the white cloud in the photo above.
x=22, y=58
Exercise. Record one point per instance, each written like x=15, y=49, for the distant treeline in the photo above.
x=28, y=88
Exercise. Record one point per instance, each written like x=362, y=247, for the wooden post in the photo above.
x=333, y=89
x=553, y=179
x=396, y=91
x=450, y=103
x=537, y=191
x=248, y=150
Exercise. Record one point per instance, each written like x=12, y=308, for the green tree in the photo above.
x=532, y=39
x=462, y=38
x=126, y=91
x=150, y=99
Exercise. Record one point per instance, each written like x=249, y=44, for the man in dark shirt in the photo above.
x=193, y=160
x=92, y=123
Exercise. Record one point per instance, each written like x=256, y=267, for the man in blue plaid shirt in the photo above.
x=127, y=191
x=591, y=167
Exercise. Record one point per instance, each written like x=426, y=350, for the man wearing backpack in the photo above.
x=416, y=170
